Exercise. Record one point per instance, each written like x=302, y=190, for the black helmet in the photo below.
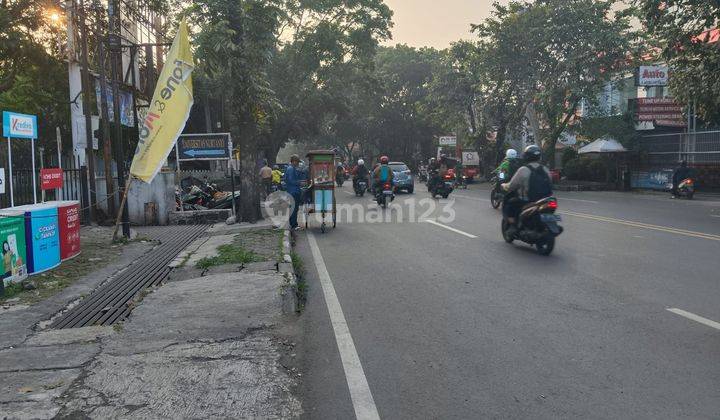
x=532, y=153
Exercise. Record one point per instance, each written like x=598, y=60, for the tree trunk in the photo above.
x=249, y=203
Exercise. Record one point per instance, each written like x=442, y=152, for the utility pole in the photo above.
x=107, y=142
x=114, y=17
x=89, y=155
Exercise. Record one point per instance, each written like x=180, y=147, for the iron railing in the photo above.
x=700, y=148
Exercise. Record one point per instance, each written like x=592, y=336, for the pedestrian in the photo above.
x=266, y=175
x=293, y=178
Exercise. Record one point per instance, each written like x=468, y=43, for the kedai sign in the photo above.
x=19, y=126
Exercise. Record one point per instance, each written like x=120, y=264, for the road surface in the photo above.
x=418, y=319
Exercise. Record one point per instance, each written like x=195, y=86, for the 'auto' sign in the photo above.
x=652, y=76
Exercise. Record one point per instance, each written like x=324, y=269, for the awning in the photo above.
x=604, y=144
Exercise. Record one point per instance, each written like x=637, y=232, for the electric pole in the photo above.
x=89, y=155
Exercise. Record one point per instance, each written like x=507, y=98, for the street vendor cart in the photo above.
x=320, y=192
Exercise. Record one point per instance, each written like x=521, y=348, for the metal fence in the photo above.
x=700, y=148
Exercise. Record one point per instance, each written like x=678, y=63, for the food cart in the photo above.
x=320, y=192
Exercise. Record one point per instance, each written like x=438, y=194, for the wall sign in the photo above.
x=209, y=146
x=652, y=76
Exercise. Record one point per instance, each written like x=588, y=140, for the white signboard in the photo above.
x=568, y=139
x=471, y=158
x=652, y=76
x=448, y=141
x=2, y=180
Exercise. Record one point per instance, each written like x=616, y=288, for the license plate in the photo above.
x=550, y=218
x=387, y=192
x=449, y=184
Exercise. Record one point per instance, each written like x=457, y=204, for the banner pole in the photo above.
x=12, y=198
x=177, y=170
x=32, y=148
x=122, y=207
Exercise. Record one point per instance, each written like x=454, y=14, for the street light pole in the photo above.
x=85, y=73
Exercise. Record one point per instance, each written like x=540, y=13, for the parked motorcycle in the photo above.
x=537, y=225
x=497, y=194
x=385, y=195
x=442, y=187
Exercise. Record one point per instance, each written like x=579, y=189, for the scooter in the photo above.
x=537, y=225
x=686, y=189
x=360, y=187
x=442, y=187
x=339, y=179
x=497, y=194
x=385, y=195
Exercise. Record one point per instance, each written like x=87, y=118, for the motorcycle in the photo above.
x=384, y=194
x=339, y=179
x=360, y=187
x=686, y=189
x=537, y=225
x=497, y=194
x=461, y=182
x=443, y=187
x=423, y=174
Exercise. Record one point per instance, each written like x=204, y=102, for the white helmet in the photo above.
x=511, y=154
x=361, y=162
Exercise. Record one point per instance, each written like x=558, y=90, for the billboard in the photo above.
x=652, y=76
x=12, y=238
x=19, y=126
x=661, y=111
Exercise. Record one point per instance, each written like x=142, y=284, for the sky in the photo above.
x=435, y=23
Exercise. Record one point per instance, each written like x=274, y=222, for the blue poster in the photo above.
x=655, y=180
x=42, y=236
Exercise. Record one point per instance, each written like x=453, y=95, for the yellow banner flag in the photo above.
x=169, y=109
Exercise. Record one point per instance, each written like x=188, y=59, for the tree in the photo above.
x=583, y=46
x=682, y=30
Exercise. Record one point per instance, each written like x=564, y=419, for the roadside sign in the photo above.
x=448, y=141
x=652, y=76
x=210, y=146
x=471, y=158
x=51, y=178
x=19, y=126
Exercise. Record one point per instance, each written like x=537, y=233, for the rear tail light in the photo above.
x=387, y=185
x=448, y=176
x=552, y=205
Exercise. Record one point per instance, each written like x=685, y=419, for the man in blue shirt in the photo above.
x=293, y=178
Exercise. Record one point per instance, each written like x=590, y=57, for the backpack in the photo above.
x=539, y=184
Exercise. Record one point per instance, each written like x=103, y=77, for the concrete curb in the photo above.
x=289, y=291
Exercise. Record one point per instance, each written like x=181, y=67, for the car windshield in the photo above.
x=399, y=167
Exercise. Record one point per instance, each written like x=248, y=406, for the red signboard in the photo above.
x=69, y=224
x=51, y=178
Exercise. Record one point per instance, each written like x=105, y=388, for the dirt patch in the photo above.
x=97, y=252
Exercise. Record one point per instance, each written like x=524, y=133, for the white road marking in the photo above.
x=697, y=318
x=452, y=229
x=348, y=192
x=470, y=198
x=362, y=398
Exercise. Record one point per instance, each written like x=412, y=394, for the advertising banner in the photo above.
x=42, y=237
x=12, y=238
x=51, y=178
x=663, y=111
x=169, y=109
x=69, y=227
x=126, y=105
x=471, y=158
x=448, y=141
x=655, y=180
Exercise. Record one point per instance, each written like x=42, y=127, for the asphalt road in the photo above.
x=449, y=321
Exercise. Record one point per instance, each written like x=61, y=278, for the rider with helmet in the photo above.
x=359, y=172
x=382, y=173
x=531, y=182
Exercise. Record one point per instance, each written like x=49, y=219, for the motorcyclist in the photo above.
x=438, y=169
x=510, y=164
x=530, y=182
x=679, y=175
x=382, y=173
x=459, y=172
x=359, y=172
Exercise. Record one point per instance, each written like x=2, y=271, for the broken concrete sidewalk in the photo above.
x=205, y=347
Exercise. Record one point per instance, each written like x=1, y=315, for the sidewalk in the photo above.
x=214, y=341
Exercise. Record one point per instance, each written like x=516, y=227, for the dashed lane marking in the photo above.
x=697, y=318
x=452, y=229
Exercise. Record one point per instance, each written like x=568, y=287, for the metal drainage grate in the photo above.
x=111, y=302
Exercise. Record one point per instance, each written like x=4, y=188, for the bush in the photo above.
x=568, y=154
x=585, y=169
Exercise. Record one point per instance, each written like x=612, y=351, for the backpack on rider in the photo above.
x=539, y=184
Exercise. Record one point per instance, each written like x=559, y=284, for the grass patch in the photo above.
x=11, y=290
x=229, y=254
x=297, y=264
